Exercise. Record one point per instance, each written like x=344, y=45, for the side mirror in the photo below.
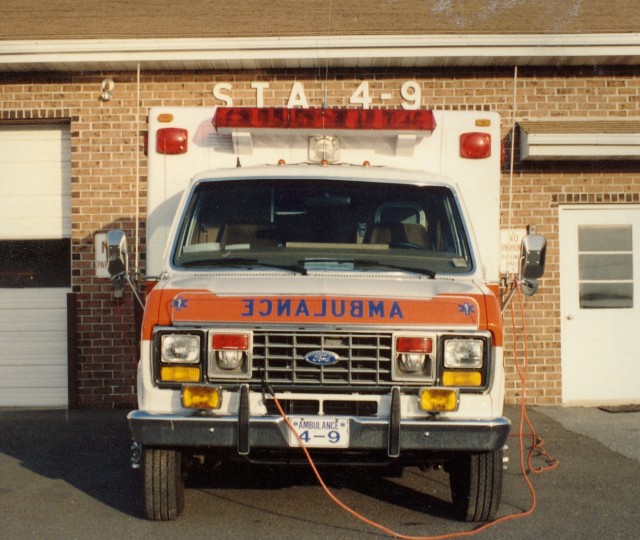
x=118, y=263
x=532, y=257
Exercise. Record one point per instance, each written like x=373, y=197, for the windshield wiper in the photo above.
x=246, y=262
x=373, y=263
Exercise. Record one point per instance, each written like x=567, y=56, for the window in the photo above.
x=35, y=263
x=605, y=261
x=289, y=221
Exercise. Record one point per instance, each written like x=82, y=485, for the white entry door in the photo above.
x=600, y=304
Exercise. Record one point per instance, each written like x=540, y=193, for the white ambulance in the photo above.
x=326, y=278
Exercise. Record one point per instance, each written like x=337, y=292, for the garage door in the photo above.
x=35, y=264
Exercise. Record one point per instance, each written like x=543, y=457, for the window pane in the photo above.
x=605, y=257
x=604, y=238
x=35, y=263
x=606, y=295
x=606, y=267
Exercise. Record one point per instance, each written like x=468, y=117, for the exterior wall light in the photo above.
x=107, y=87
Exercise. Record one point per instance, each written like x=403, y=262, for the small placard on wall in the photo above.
x=102, y=256
x=510, y=246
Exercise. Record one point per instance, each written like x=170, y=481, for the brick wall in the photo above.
x=109, y=179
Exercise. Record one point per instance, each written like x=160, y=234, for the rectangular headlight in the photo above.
x=180, y=348
x=463, y=353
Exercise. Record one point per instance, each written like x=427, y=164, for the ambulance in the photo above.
x=328, y=279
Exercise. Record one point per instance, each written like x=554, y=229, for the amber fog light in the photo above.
x=438, y=400
x=201, y=397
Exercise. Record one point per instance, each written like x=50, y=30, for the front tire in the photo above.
x=476, y=485
x=163, y=483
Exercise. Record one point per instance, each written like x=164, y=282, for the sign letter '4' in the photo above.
x=361, y=96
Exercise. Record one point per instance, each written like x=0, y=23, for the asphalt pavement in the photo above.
x=619, y=431
x=66, y=474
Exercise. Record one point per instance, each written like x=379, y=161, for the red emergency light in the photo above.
x=323, y=119
x=475, y=145
x=171, y=141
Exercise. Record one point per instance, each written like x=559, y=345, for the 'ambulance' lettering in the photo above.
x=324, y=309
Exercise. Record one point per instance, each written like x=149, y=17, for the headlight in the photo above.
x=463, y=353
x=180, y=349
x=229, y=360
x=412, y=362
x=230, y=355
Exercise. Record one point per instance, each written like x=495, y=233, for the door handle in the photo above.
x=569, y=317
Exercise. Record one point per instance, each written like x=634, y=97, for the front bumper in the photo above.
x=243, y=434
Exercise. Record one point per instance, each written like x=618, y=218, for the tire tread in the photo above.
x=163, y=484
x=476, y=485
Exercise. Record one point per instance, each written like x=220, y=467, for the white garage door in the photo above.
x=35, y=264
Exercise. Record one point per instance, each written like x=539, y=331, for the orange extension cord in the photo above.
x=536, y=450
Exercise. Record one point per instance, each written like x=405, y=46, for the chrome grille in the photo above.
x=364, y=358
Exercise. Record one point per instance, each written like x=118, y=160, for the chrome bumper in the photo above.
x=243, y=433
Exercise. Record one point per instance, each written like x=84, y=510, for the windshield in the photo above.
x=314, y=224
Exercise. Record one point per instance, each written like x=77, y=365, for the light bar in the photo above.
x=323, y=119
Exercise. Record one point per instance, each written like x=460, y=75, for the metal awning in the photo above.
x=588, y=139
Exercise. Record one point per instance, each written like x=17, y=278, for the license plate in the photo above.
x=320, y=432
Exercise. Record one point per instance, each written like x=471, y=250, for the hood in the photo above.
x=264, y=297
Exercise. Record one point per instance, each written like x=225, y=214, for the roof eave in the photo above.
x=372, y=51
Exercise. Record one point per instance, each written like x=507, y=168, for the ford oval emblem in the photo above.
x=321, y=358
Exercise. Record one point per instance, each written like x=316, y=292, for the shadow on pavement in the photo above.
x=87, y=449
x=90, y=450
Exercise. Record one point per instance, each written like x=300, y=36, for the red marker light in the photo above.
x=475, y=145
x=171, y=141
x=408, y=344
x=230, y=342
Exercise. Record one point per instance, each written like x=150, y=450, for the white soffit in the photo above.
x=589, y=139
x=318, y=51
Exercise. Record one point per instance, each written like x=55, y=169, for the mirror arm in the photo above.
x=527, y=286
x=135, y=291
